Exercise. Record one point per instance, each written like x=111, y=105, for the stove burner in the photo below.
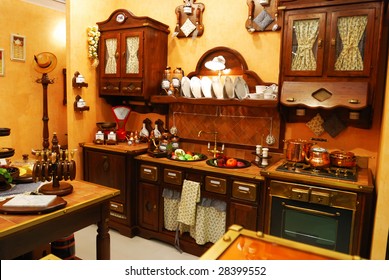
x=349, y=174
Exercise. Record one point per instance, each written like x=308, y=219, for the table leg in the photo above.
x=103, y=245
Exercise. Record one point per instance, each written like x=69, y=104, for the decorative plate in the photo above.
x=241, y=88
x=217, y=88
x=185, y=87
x=229, y=87
x=206, y=86
x=195, y=86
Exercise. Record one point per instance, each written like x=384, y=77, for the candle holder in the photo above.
x=55, y=167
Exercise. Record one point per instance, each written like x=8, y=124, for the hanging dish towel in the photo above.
x=186, y=216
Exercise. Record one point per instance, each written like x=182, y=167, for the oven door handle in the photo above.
x=310, y=211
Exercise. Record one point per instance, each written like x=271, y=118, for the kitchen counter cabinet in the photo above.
x=113, y=166
x=241, y=189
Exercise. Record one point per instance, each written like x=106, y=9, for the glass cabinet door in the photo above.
x=349, y=41
x=305, y=44
x=110, y=63
x=132, y=48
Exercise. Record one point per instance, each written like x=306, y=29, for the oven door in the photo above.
x=312, y=216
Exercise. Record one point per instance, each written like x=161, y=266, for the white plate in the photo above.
x=195, y=86
x=229, y=87
x=206, y=86
x=185, y=87
x=217, y=88
x=241, y=88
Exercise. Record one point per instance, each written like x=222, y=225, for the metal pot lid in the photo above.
x=342, y=155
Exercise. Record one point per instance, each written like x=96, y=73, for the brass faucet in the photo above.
x=215, y=151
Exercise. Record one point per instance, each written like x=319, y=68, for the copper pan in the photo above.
x=297, y=149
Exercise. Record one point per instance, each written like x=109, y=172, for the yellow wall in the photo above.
x=21, y=98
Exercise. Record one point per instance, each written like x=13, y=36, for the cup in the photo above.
x=260, y=89
x=255, y=95
x=269, y=95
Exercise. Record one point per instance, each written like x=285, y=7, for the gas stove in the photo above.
x=347, y=174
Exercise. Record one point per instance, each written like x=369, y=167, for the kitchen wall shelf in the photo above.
x=79, y=109
x=161, y=99
x=76, y=83
x=190, y=20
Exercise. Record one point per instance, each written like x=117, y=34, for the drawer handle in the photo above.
x=310, y=211
x=171, y=174
x=147, y=171
x=244, y=189
x=215, y=182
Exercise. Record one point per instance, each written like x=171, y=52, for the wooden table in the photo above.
x=87, y=204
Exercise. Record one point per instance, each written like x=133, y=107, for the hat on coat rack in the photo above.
x=45, y=62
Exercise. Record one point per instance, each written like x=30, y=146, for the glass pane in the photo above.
x=304, y=45
x=110, y=60
x=132, y=59
x=310, y=229
x=350, y=43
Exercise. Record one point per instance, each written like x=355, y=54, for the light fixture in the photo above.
x=218, y=63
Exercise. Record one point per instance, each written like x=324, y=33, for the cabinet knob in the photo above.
x=290, y=99
x=116, y=55
x=320, y=43
x=353, y=101
x=105, y=163
x=333, y=42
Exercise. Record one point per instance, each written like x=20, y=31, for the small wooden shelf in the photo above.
x=161, y=99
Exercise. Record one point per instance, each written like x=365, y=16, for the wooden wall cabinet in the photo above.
x=336, y=44
x=132, y=54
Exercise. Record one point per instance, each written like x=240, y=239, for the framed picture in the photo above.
x=1, y=62
x=18, y=47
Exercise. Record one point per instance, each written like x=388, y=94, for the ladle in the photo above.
x=270, y=139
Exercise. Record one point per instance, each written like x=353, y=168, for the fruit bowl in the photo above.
x=181, y=155
x=228, y=162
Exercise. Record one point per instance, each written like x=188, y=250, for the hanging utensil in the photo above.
x=250, y=28
x=196, y=31
x=177, y=29
x=270, y=139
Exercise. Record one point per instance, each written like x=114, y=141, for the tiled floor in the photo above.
x=125, y=248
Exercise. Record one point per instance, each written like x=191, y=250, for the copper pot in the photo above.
x=297, y=149
x=318, y=158
x=343, y=159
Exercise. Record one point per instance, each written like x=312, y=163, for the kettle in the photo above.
x=318, y=158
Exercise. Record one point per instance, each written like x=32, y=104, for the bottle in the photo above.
x=99, y=137
x=175, y=142
x=157, y=133
x=131, y=140
x=258, y=152
x=177, y=77
x=136, y=137
x=166, y=80
x=265, y=155
x=144, y=133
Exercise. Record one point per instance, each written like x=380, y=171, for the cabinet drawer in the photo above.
x=149, y=172
x=131, y=87
x=172, y=176
x=117, y=207
x=245, y=191
x=216, y=185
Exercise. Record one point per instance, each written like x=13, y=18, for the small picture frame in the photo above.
x=2, y=62
x=18, y=47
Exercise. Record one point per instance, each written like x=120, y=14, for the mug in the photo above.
x=260, y=89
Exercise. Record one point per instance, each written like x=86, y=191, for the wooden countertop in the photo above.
x=119, y=148
x=251, y=172
x=84, y=194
